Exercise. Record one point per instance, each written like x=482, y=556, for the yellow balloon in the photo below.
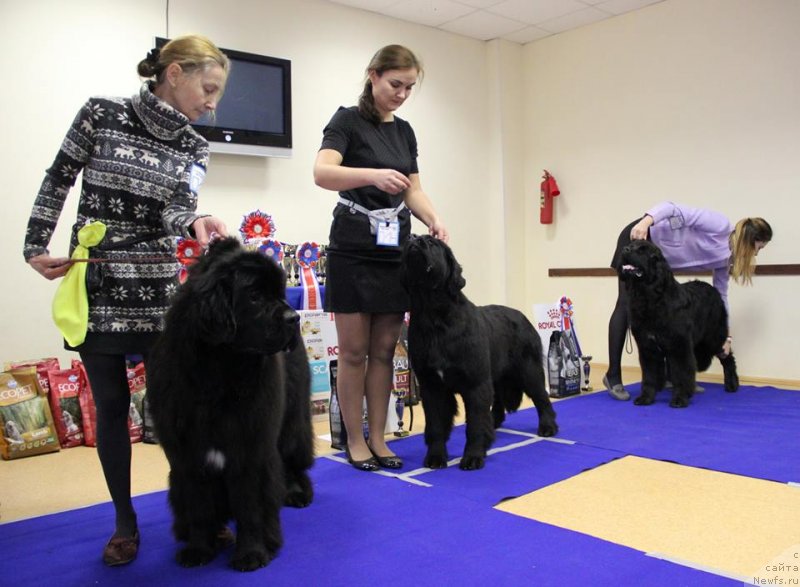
x=71, y=302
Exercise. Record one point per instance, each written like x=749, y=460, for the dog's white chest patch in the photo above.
x=215, y=459
x=440, y=373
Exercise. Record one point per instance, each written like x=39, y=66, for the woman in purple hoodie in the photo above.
x=692, y=239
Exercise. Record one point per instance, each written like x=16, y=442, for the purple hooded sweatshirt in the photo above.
x=693, y=239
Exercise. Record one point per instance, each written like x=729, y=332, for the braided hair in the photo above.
x=387, y=58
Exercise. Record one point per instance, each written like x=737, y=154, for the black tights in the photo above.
x=109, y=381
x=617, y=329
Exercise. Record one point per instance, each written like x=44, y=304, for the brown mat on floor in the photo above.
x=735, y=526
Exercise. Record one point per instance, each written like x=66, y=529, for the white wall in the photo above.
x=694, y=100
x=64, y=52
x=690, y=100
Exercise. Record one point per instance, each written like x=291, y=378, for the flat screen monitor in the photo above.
x=254, y=116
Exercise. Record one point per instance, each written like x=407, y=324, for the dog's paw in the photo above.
x=547, y=428
x=192, y=556
x=643, y=400
x=250, y=561
x=298, y=499
x=731, y=383
x=679, y=402
x=471, y=462
x=299, y=494
x=435, y=461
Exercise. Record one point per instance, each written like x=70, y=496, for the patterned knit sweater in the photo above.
x=142, y=165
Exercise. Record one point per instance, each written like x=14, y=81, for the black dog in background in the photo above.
x=682, y=325
x=229, y=387
x=488, y=354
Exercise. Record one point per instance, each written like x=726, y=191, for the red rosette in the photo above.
x=188, y=251
x=257, y=225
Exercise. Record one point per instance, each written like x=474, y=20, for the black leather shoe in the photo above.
x=370, y=464
x=391, y=462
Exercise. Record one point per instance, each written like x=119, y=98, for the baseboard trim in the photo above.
x=635, y=374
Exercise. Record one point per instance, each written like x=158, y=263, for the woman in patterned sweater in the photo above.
x=142, y=167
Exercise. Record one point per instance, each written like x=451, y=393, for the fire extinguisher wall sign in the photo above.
x=548, y=190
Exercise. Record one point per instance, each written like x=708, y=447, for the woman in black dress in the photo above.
x=369, y=156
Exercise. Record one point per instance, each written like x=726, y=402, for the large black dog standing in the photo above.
x=488, y=354
x=683, y=325
x=228, y=384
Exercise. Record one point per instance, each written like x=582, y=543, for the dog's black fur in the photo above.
x=228, y=385
x=488, y=354
x=682, y=325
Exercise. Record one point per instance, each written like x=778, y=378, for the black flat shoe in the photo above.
x=370, y=464
x=392, y=462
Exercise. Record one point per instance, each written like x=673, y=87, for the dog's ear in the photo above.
x=455, y=282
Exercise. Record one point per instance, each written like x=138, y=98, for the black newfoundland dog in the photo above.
x=681, y=326
x=488, y=354
x=228, y=385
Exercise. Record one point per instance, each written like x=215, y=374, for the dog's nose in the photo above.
x=291, y=317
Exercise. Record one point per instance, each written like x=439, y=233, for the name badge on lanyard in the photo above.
x=388, y=233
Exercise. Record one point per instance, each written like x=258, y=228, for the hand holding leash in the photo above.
x=641, y=228
x=50, y=267
x=205, y=226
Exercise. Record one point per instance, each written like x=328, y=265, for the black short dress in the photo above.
x=363, y=276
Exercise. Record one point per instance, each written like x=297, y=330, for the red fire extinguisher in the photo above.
x=548, y=190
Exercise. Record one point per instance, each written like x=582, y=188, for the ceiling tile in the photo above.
x=526, y=35
x=429, y=12
x=623, y=6
x=535, y=12
x=574, y=20
x=374, y=5
x=482, y=3
x=483, y=25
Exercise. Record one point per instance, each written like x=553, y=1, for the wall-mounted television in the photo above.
x=254, y=116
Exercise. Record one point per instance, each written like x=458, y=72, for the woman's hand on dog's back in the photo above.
x=50, y=267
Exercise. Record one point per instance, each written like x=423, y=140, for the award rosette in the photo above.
x=568, y=322
x=256, y=227
x=307, y=258
x=187, y=251
x=272, y=249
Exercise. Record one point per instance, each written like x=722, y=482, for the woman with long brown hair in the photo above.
x=692, y=239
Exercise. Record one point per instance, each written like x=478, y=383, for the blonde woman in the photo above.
x=142, y=165
x=692, y=239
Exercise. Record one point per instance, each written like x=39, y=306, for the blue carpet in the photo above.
x=370, y=529
x=752, y=432
x=363, y=529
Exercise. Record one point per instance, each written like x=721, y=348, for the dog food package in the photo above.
x=149, y=435
x=43, y=367
x=65, y=388
x=563, y=365
x=137, y=383
x=400, y=391
x=86, y=401
x=338, y=433
x=26, y=424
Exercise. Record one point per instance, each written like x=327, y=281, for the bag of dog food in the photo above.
x=43, y=367
x=26, y=424
x=563, y=365
x=86, y=401
x=338, y=433
x=338, y=430
x=137, y=384
x=65, y=388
